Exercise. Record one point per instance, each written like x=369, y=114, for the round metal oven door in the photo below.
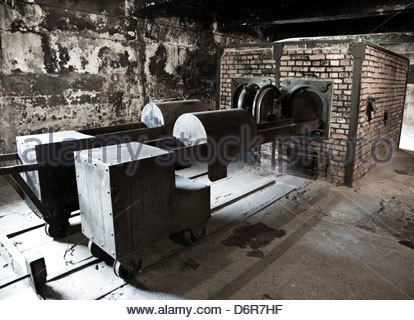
x=306, y=105
x=245, y=96
x=267, y=105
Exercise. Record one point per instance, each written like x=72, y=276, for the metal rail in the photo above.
x=9, y=157
x=16, y=181
x=269, y=133
x=20, y=168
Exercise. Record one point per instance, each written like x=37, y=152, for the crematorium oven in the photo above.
x=354, y=89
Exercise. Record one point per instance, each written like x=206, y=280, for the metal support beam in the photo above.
x=282, y=129
x=137, y=135
x=20, y=168
x=112, y=129
x=357, y=50
x=277, y=55
x=273, y=160
x=16, y=181
x=9, y=157
x=219, y=55
x=350, y=16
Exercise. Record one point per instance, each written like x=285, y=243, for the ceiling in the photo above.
x=277, y=19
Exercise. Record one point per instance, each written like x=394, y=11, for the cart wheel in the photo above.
x=183, y=238
x=189, y=237
x=126, y=273
x=198, y=234
x=97, y=252
x=56, y=231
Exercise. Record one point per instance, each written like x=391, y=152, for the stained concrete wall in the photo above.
x=77, y=64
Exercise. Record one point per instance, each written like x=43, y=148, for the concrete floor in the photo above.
x=316, y=242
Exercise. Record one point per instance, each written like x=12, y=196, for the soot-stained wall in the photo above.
x=77, y=64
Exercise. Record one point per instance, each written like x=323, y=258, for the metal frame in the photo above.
x=9, y=157
x=219, y=55
x=258, y=100
x=111, y=129
x=357, y=50
x=14, y=179
x=322, y=88
x=311, y=41
x=277, y=55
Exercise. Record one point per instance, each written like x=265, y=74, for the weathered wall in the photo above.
x=65, y=69
x=71, y=69
x=179, y=60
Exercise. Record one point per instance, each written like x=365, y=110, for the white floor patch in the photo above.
x=407, y=136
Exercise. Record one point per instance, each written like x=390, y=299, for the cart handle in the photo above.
x=20, y=168
x=9, y=157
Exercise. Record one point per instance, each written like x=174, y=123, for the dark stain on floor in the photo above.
x=254, y=236
x=189, y=264
x=405, y=171
x=407, y=243
x=255, y=254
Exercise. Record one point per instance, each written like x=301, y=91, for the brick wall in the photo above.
x=326, y=61
x=383, y=78
x=244, y=62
